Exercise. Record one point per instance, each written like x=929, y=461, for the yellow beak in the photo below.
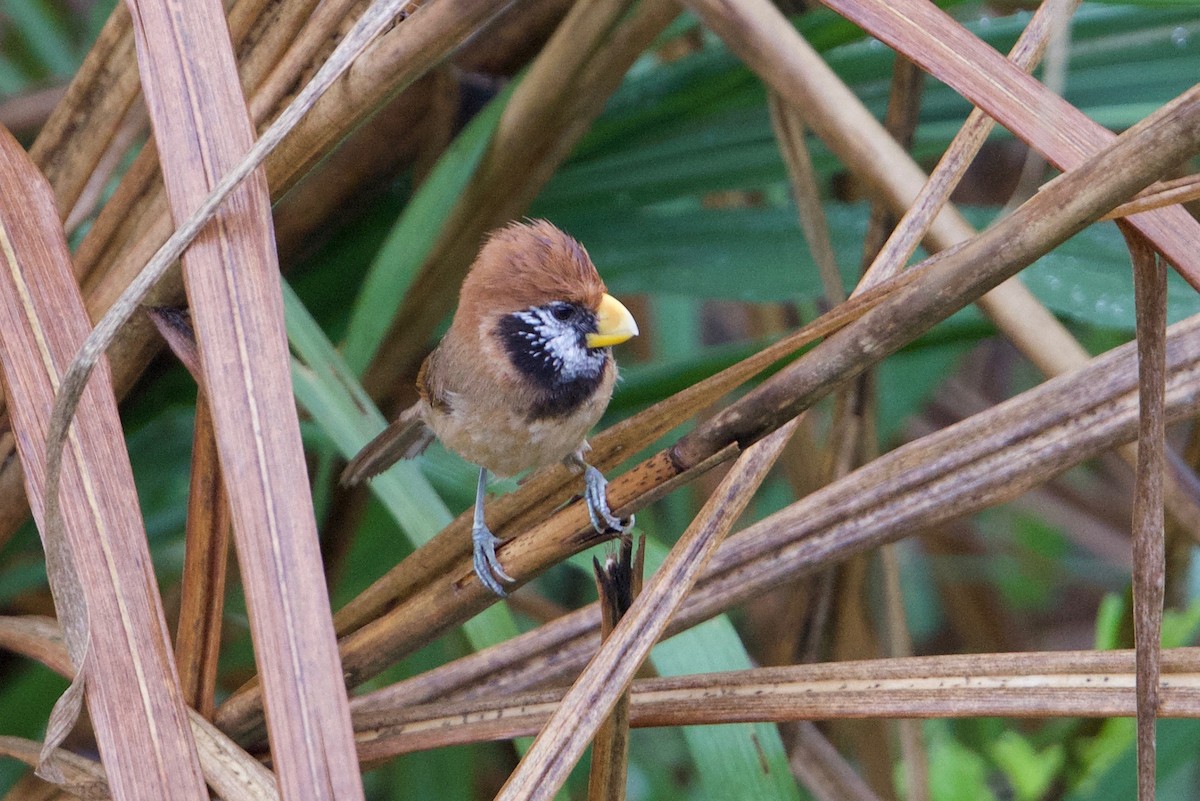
x=614, y=324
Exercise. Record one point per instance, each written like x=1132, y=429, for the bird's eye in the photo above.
x=562, y=311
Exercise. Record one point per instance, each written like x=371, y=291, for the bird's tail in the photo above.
x=405, y=438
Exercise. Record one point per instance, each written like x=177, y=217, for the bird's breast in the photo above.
x=492, y=431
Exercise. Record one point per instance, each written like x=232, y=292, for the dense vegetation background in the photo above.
x=681, y=195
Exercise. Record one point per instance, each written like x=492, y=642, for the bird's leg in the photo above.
x=596, y=495
x=487, y=566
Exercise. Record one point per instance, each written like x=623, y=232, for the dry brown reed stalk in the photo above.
x=789, y=131
x=283, y=75
x=989, y=458
x=206, y=537
x=206, y=556
x=1046, y=122
x=822, y=769
x=99, y=567
x=389, y=64
x=136, y=219
x=900, y=121
x=1149, y=560
x=234, y=294
x=587, y=704
x=25, y=113
x=1022, y=685
x=618, y=583
x=230, y=772
x=38, y=638
x=79, y=130
x=1063, y=208
x=81, y=777
x=785, y=60
x=1164, y=193
x=935, y=193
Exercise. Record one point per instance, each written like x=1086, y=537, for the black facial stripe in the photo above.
x=565, y=398
x=565, y=372
x=522, y=344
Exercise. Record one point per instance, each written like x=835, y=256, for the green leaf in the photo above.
x=956, y=773
x=746, y=761
x=44, y=32
x=1029, y=771
x=413, y=236
x=26, y=696
x=735, y=254
x=1176, y=753
x=699, y=124
x=327, y=390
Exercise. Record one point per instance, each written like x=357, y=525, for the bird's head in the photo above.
x=536, y=289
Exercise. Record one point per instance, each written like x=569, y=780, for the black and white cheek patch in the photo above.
x=549, y=343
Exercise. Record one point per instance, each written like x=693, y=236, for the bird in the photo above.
x=519, y=379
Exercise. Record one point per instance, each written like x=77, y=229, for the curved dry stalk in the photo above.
x=1022, y=685
x=199, y=116
x=1163, y=193
x=38, y=638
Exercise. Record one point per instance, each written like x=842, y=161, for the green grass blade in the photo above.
x=330, y=394
x=405, y=249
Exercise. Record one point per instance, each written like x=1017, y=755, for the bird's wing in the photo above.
x=430, y=387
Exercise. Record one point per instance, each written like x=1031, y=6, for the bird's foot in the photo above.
x=596, y=495
x=487, y=566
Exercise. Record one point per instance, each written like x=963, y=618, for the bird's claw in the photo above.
x=487, y=566
x=596, y=495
